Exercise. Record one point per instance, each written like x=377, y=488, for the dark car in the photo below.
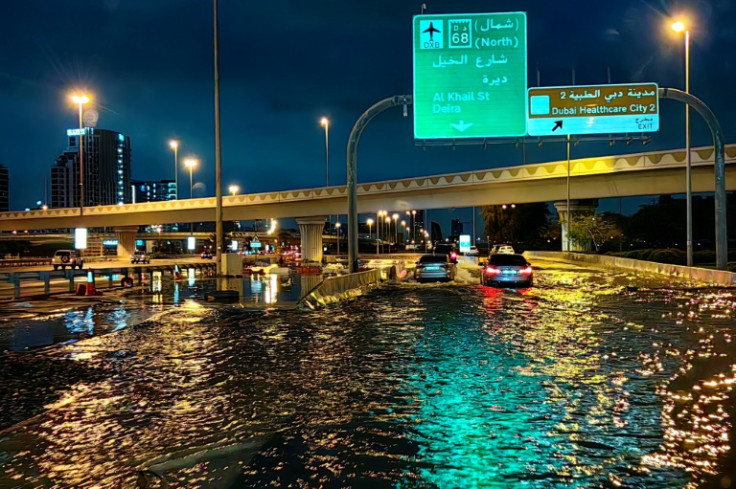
x=206, y=255
x=435, y=267
x=446, y=249
x=140, y=257
x=503, y=270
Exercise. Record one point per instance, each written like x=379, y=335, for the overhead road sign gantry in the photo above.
x=470, y=75
x=593, y=109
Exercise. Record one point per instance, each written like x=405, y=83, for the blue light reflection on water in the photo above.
x=531, y=395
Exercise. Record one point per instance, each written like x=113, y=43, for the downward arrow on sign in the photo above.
x=461, y=126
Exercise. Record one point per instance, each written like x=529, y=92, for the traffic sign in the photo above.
x=593, y=109
x=470, y=75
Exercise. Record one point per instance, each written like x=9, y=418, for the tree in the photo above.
x=520, y=223
x=585, y=227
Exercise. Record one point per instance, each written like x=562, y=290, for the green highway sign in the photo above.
x=593, y=109
x=470, y=75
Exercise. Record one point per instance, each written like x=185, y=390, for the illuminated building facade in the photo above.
x=106, y=170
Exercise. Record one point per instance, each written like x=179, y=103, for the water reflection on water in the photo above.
x=580, y=382
x=159, y=292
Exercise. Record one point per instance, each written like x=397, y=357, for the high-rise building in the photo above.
x=456, y=228
x=4, y=187
x=106, y=170
x=153, y=191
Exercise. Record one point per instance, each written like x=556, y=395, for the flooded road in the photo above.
x=589, y=379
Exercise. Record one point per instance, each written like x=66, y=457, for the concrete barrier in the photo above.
x=684, y=274
x=341, y=287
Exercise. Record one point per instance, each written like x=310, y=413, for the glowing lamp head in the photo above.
x=233, y=189
x=369, y=222
x=80, y=99
x=324, y=122
x=190, y=162
x=174, y=144
x=678, y=26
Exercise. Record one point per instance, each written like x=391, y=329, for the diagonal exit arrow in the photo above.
x=558, y=125
x=461, y=126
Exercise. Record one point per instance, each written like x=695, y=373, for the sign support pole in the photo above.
x=718, y=164
x=567, y=234
x=352, y=161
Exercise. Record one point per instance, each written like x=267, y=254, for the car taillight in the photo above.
x=492, y=271
x=526, y=271
x=453, y=255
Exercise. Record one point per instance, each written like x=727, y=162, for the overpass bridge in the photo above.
x=636, y=174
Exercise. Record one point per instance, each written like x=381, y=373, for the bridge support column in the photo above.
x=126, y=240
x=311, y=229
x=576, y=206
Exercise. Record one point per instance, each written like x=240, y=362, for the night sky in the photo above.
x=285, y=64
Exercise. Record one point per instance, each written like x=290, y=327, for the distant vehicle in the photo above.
x=502, y=270
x=446, y=249
x=434, y=268
x=140, y=257
x=473, y=251
x=206, y=255
x=502, y=249
x=67, y=258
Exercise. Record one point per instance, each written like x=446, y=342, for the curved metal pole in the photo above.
x=719, y=167
x=353, y=140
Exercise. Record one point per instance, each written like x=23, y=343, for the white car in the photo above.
x=67, y=258
x=502, y=250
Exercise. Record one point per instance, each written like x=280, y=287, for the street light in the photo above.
x=233, y=189
x=379, y=220
x=325, y=122
x=337, y=229
x=174, y=144
x=679, y=26
x=395, y=217
x=370, y=223
x=81, y=100
x=388, y=231
x=190, y=163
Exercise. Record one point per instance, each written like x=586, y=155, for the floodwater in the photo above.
x=590, y=379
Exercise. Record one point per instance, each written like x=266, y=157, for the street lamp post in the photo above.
x=395, y=217
x=370, y=223
x=174, y=144
x=81, y=100
x=325, y=122
x=679, y=26
x=190, y=163
x=388, y=232
x=337, y=229
x=379, y=224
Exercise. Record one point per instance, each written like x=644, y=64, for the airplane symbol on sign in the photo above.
x=431, y=31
